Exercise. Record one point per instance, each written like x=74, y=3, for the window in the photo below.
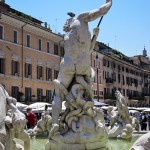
x=2, y=65
x=127, y=80
x=39, y=94
x=39, y=72
x=108, y=64
x=48, y=96
x=1, y=32
x=114, y=66
x=123, y=80
x=48, y=48
x=28, y=94
x=28, y=41
x=62, y=51
x=56, y=74
x=119, y=78
x=15, y=92
x=15, y=68
x=105, y=91
x=28, y=70
x=15, y=36
x=104, y=62
x=118, y=68
x=114, y=76
x=40, y=44
x=101, y=92
x=48, y=74
x=55, y=49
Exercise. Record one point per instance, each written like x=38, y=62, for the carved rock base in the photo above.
x=52, y=145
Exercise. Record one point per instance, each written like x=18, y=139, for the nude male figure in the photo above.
x=76, y=61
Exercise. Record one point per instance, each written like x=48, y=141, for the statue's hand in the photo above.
x=107, y=1
x=96, y=31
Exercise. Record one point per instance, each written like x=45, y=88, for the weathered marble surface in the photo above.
x=120, y=121
x=2, y=119
x=81, y=126
x=13, y=122
x=135, y=123
x=43, y=125
x=143, y=143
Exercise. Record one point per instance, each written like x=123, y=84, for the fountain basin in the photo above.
x=112, y=144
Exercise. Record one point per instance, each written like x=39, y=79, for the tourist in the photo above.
x=149, y=120
x=144, y=122
x=31, y=118
x=76, y=61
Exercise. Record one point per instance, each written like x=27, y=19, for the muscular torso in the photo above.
x=77, y=46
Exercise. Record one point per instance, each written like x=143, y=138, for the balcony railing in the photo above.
x=110, y=96
x=136, y=97
x=109, y=80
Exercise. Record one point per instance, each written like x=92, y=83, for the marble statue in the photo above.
x=43, y=125
x=127, y=132
x=113, y=115
x=143, y=143
x=81, y=126
x=123, y=112
x=14, y=124
x=120, y=122
x=2, y=118
x=135, y=123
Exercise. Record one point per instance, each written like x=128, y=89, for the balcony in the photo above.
x=136, y=97
x=110, y=96
x=109, y=80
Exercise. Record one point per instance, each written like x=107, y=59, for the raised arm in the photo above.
x=94, y=14
x=95, y=34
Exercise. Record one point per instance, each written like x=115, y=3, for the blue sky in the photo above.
x=126, y=27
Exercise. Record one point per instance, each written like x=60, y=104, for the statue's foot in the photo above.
x=54, y=129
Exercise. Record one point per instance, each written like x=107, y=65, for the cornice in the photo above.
x=28, y=27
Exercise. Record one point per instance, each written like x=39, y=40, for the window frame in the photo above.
x=28, y=45
x=15, y=36
x=2, y=35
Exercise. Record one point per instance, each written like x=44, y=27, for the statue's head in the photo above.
x=117, y=94
x=69, y=21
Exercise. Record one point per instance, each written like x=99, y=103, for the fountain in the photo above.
x=120, y=122
x=12, y=124
x=38, y=143
x=81, y=126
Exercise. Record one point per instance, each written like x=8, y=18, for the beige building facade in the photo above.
x=119, y=72
x=30, y=55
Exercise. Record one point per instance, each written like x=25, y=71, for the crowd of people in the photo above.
x=145, y=121
x=141, y=121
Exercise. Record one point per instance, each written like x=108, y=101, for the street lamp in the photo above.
x=97, y=78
